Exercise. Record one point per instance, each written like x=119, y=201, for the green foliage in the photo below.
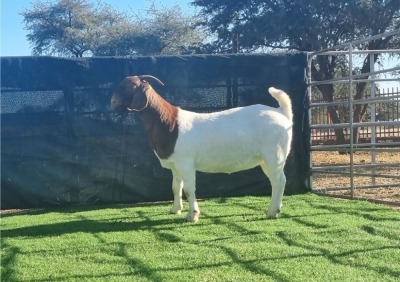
x=61, y=28
x=315, y=239
x=306, y=25
x=78, y=28
x=159, y=31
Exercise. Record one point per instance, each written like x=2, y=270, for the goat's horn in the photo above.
x=146, y=76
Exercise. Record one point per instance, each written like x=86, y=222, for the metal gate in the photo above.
x=364, y=163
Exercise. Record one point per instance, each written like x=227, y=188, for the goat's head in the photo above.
x=130, y=95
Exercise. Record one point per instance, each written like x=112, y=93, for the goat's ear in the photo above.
x=139, y=102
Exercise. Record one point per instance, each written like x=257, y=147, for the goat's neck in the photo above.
x=160, y=121
x=159, y=112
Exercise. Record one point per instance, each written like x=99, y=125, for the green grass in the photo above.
x=315, y=239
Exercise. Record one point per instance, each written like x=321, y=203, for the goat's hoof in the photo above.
x=193, y=217
x=175, y=211
x=273, y=214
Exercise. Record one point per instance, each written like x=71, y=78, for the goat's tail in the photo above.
x=284, y=101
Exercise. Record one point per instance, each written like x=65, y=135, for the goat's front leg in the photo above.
x=177, y=185
x=189, y=187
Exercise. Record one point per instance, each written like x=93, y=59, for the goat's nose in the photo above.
x=113, y=103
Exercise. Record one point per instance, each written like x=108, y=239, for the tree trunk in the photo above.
x=327, y=69
x=327, y=93
x=333, y=114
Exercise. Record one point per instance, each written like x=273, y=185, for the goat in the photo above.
x=227, y=141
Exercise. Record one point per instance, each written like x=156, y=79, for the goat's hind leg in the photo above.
x=278, y=182
x=177, y=185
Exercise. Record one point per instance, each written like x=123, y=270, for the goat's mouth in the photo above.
x=117, y=107
x=120, y=110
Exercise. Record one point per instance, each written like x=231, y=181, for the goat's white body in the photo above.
x=231, y=141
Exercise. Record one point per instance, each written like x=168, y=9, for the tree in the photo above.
x=306, y=25
x=79, y=28
x=62, y=28
x=162, y=31
x=176, y=31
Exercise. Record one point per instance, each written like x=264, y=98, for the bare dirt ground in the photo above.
x=14, y=211
x=387, y=189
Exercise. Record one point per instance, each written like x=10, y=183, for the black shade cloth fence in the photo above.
x=61, y=144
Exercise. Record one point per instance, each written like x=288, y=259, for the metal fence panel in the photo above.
x=367, y=164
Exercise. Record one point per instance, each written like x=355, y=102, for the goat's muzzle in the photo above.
x=116, y=106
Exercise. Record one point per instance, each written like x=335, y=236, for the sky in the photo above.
x=13, y=34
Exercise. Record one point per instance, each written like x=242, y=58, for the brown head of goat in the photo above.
x=130, y=95
x=135, y=94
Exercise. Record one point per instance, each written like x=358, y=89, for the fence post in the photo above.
x=373, y=115
x=351, y=137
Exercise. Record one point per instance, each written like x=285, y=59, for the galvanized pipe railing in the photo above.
x=373, y=147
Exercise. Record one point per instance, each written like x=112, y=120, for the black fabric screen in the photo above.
x=61, y=144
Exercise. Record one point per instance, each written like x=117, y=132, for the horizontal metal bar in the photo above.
x=345, y=148
x=357, y=146
x=359, y=41
x=380, y=185
x=376, y=165
x=358, y=52
x=378, y=150
x=312, y=171
x=326, y=104
x=344, y=80
x=376, y=72
x=380, y=99
x=357, y=77
x=356, y=124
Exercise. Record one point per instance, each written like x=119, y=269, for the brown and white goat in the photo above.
x=227, y=141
